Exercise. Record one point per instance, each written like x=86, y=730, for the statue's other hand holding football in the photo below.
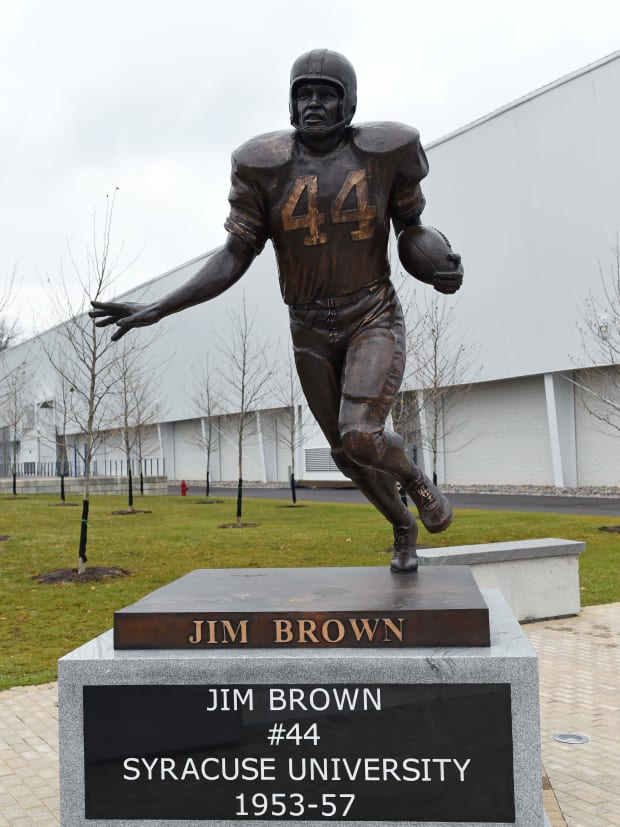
x=449, y=281
x=426, y=254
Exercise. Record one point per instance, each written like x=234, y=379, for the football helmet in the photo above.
x=330, y=67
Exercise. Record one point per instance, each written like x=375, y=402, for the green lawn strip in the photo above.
x=39, y=623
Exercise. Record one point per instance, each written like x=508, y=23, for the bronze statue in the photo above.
x=325, y=193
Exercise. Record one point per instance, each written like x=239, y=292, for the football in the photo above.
x=424, y=251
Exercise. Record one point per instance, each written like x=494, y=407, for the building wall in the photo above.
x=598, y=445
x=276, y=431
x=188, y=456
x=503, y=438
x=529, y=196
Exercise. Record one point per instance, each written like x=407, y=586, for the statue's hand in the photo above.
x=126, y=315
x=449, y=281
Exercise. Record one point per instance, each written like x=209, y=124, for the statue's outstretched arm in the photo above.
x=221, y=270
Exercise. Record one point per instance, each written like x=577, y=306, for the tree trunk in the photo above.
x=207, y=486
x=402, y=491
x=14, y=484
x=141, y=481
x=293, y=490
x=239, y=500
x=240, y=465
x=82, y=559
x=62, y=487
x=130, y=486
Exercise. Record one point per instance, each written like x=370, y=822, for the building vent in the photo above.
x=320, y=459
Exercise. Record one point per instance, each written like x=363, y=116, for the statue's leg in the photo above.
x=380, y=489
x=319, y=364
x=372, y=374
x=383, y=450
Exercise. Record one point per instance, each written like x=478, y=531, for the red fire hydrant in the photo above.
x=184, y=487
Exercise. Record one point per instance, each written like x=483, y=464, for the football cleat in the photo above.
x=433, y=507
x=405, y=558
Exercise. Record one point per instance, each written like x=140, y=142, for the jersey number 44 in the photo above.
x=313, y=220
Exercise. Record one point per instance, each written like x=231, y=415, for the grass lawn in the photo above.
x=39, y=623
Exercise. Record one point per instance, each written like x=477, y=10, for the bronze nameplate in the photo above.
x=311, y=607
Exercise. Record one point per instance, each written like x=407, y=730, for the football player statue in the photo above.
x=325, y=193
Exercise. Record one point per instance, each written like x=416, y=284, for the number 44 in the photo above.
x=364, y=214
x=311, y=734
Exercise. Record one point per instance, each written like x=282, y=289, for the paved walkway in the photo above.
x=579, y=661
x=579, y=692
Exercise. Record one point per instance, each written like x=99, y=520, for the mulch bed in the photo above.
x=208, y=502
x=614, y=528
x=293, y=505
x=92, y=573
x=5, y=537
x=135, y=511
x=63, y=505
x=238, y=525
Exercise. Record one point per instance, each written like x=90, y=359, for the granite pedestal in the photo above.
x=93, y=676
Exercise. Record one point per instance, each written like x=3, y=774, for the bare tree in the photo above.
x=441, y=367
x=82, y=354
x=54, y=433
x=61, y=419
x=136, y=402
x=149, y=409
x=17, y=404
x=8, y=335
x=291, y=435
x=245, y=380
x=599, y=327
x=205, y=396
x=8, y=326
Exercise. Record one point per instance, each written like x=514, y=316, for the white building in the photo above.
x=530, y=195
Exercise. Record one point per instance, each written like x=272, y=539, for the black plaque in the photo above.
x=354, y=752
x=308, y=608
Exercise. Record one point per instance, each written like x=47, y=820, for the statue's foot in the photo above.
x=433, y=507
x=405, y=558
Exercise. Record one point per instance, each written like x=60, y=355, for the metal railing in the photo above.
x=151, y=467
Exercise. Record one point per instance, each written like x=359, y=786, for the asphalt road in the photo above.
x=595, y=506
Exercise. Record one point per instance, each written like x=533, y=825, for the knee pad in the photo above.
x=349, y=468
x=363, y=447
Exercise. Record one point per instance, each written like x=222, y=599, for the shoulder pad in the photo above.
x=384, y=136
x=273, y=149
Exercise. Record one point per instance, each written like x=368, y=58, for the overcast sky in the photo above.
x=151, y=96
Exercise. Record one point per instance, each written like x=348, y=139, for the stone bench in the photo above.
x=539, y=579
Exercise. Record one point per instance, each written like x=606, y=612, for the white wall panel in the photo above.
x=504, y=438
x=598, y=446
x=189, y=458
x=253, y=459
x=530, y=197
